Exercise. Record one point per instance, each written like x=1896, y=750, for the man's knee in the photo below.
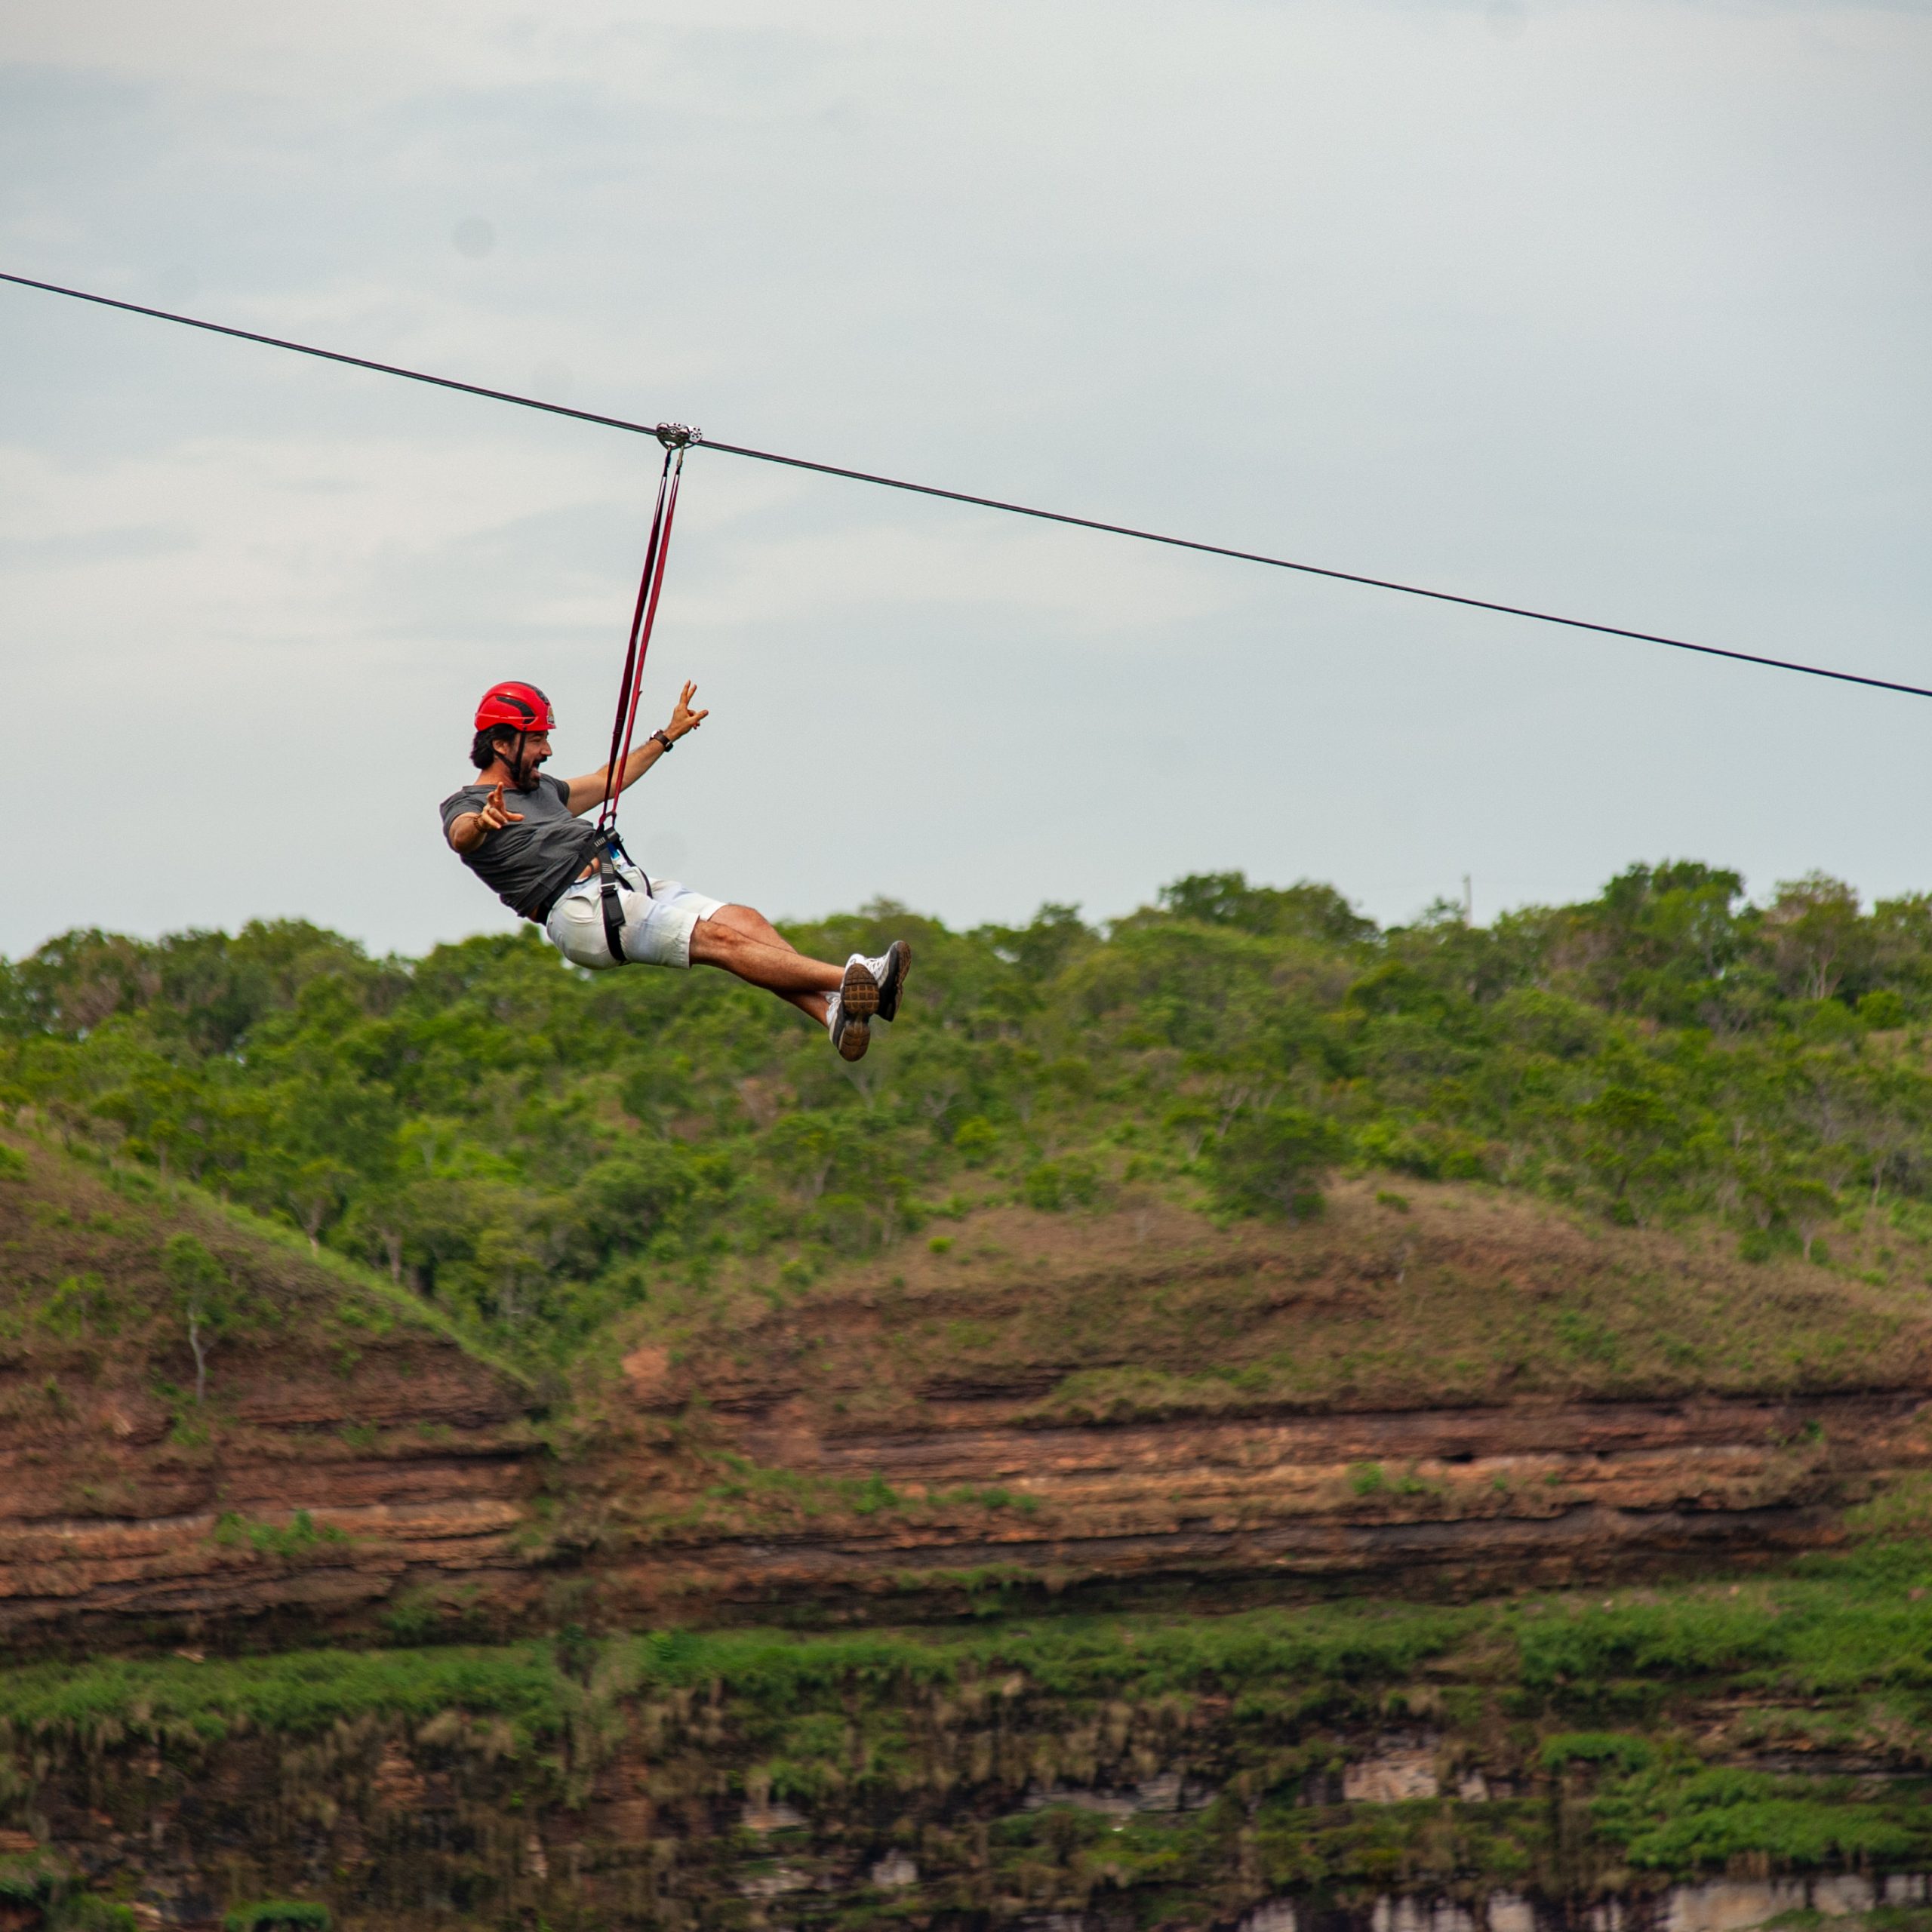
x=719, y=937
x=741, y=922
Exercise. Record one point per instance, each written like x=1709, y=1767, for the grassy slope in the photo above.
x=1446, y=1295
x=1443, y=1297
x=1440, y=1295
x=84, y=1295
x=544, y=1149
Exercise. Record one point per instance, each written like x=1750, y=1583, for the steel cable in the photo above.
x=976, y=502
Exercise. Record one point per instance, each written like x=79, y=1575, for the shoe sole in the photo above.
x=858, y=997
x=858, y=1001
x=898, y=963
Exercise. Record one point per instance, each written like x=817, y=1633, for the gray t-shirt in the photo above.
x=526, y=866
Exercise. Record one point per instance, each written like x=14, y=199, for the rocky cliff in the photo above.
x=348, y=1457
x=1553, y=1762
x=1449, y=1392
x=1423, y=1404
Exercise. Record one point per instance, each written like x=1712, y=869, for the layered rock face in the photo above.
x=1345, y=1768
x=345, y=1458
x=1538, y=1493
x=323, y=1498
x=1457, y=1395
x=1460, y=1395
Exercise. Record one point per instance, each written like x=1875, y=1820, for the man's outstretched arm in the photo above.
x=470, y=831
x=589, y=790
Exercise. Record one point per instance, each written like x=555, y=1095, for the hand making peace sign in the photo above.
x=683, y=717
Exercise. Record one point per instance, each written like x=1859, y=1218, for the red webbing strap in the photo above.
x=657, y=591
x=620, y=727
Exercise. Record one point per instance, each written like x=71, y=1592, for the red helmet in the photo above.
x=522, y=707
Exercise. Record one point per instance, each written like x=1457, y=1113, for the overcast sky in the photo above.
x=1617, y=307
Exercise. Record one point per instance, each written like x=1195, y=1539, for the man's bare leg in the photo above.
x=745, y=942
x=753, y=923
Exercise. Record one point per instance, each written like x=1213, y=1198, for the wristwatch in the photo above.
x=664, y=738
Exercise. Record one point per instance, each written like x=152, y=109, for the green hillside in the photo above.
x=111, y=1277
x=536, y=1149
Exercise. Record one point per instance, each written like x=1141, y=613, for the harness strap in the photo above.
x=613, y=908
x=610, y=886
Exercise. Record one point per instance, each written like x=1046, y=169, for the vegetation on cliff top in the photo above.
x=538, y=1148
x=114, y=1277
x=1440, y=1297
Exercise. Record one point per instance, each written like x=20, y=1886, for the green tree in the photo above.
x=1271, y=1161
x=1664, y=940
x=801, y=1149
x=1304, y=910
x=1816, y=937
x=1043, y=948
x=622, y=1201
x=204, y=1298
x=1636, y=1142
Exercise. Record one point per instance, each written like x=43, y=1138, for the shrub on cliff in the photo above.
x=273, y=1914
x=91, y=1913
x=1271, y=1162
x=204, y=1298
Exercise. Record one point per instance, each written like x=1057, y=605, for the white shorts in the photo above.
x=658, y=924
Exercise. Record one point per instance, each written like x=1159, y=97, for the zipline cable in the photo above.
x=976, y=502
x=1320, y=570
x=335, y=355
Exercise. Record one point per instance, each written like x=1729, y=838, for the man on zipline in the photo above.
x=546, y=863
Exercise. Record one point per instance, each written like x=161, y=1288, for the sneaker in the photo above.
x=890, y=970
x=851, y=1030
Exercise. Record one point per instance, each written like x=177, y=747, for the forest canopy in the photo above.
x=532, y=1146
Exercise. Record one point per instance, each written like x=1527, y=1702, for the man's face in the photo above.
x=536, y=749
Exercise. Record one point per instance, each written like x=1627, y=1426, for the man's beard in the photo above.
x=524, y=772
